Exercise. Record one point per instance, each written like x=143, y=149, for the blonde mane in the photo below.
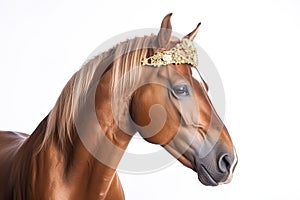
x=119, y=59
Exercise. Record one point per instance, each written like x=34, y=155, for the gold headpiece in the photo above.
x=183, y=53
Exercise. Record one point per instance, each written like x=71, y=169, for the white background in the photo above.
x=255, y=46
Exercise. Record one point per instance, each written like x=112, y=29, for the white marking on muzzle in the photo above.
x=231, y=169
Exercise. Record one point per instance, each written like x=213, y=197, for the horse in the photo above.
x=142, y=85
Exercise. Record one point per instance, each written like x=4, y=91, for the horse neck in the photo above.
x=101, y=142
x=99, y=145
x=79, y=176
x=87, y=167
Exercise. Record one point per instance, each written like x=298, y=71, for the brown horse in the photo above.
x=75, y=150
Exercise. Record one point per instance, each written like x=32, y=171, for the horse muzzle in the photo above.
x=217, y=167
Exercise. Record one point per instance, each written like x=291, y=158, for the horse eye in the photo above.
x=181, y=90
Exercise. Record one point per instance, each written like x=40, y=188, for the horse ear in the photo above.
x=165, y=31
x=193, y=34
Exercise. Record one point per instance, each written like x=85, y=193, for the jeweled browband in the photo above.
x=183, y=53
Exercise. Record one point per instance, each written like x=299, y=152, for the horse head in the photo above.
x=174, y=109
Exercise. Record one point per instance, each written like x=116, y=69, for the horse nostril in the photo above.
x=225, y=163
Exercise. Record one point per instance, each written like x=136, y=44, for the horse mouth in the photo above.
x=205, y=178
